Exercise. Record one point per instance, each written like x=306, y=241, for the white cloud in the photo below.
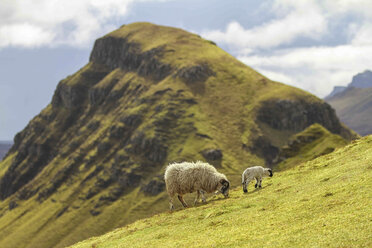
x=315, y=68
x=304, y=19
x=363, y=35
x=24, y=34
x=28, y=23
x=277, y=76
x=340, y=7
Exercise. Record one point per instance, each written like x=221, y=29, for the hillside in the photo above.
x=354, y=108
x=94, y=158
x=324, y=203
x=311, y=143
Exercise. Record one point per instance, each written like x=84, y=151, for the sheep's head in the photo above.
x=268, y=172
x=245, y=187
x=224, y=187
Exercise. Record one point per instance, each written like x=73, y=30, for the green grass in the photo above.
x=326, y=202
x=313, y=142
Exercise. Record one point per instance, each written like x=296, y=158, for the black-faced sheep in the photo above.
x=257, y=172
x=188, y=177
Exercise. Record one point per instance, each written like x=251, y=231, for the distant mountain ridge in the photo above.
x=4, y=148
x=336, y=90
x=353, y=104
x=361, y=80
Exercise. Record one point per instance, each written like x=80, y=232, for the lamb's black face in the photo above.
x=225, y=187
x=271, y=172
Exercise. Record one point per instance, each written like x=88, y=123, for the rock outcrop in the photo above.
x=294, y=116
x=297, y=115
x=116, y=52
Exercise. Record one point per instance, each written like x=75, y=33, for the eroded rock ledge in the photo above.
x=120, y=53
x=297, y=115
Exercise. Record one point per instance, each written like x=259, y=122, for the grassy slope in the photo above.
x=354, y=107
x=326, y=202
x=225, y=111
x=313, y=142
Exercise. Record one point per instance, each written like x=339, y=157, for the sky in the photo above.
x=311, y=44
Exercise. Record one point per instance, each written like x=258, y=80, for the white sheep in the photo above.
x=188, y=177
x=257, y=172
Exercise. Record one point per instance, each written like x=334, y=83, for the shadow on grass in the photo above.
x=217, y=198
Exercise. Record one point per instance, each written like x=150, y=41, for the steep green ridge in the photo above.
x=324, y=203
x=94, y=158
x=354, y=107
x=313, y=142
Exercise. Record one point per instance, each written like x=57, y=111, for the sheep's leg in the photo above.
x=259, y=185
x=171, y=205
x=197, y=197
x=180, y=197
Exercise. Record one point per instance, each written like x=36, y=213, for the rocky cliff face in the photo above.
x=116, y=52
x=297, y=115
x=293, y=116
x=94, y=158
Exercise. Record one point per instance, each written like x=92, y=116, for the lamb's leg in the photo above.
x=245, y=185
x=197, y=197
x=257, y=182
x=259, y=185
x=180, y=197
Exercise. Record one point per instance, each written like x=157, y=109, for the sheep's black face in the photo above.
x=225, y=187
x=271, y=172
x=244, y=187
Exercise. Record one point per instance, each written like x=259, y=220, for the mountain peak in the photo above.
x=362, y=80
x=158, y=52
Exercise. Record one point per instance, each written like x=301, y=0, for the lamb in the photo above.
x=188, y=177
x=257, y=172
